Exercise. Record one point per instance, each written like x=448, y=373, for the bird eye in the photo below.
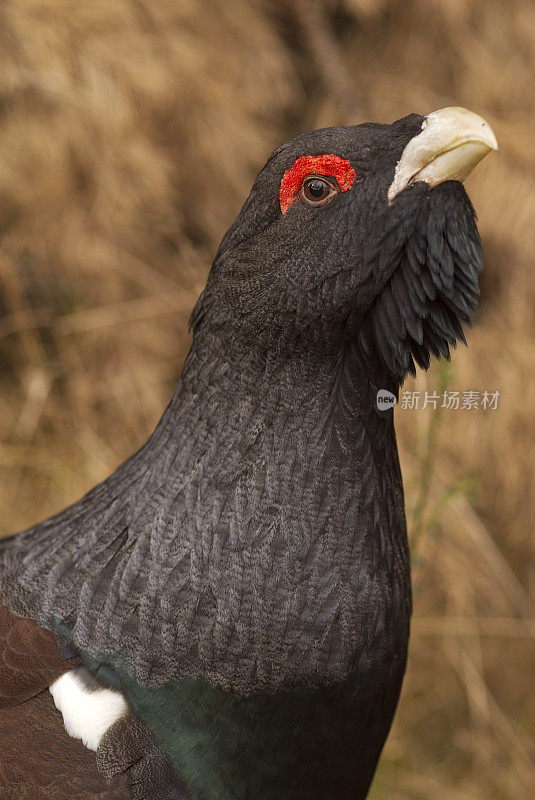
x=316, y=190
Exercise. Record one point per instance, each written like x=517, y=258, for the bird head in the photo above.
x=362, y=231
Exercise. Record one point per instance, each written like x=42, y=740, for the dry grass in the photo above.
x=132, y=130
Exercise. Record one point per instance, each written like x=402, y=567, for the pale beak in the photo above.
x=451, y=143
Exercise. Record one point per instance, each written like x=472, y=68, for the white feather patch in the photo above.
x=86, y=715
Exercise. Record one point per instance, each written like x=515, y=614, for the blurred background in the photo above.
x=132, y=132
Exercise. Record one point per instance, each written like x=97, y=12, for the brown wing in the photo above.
x=38, y=759
x=30, y=658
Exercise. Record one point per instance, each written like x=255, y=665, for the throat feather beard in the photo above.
x=433, y=286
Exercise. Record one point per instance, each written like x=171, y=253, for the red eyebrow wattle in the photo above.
x=326, y=164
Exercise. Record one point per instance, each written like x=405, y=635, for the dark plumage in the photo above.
x=244, y=578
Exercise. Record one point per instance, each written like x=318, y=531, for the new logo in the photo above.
x=385, y=400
